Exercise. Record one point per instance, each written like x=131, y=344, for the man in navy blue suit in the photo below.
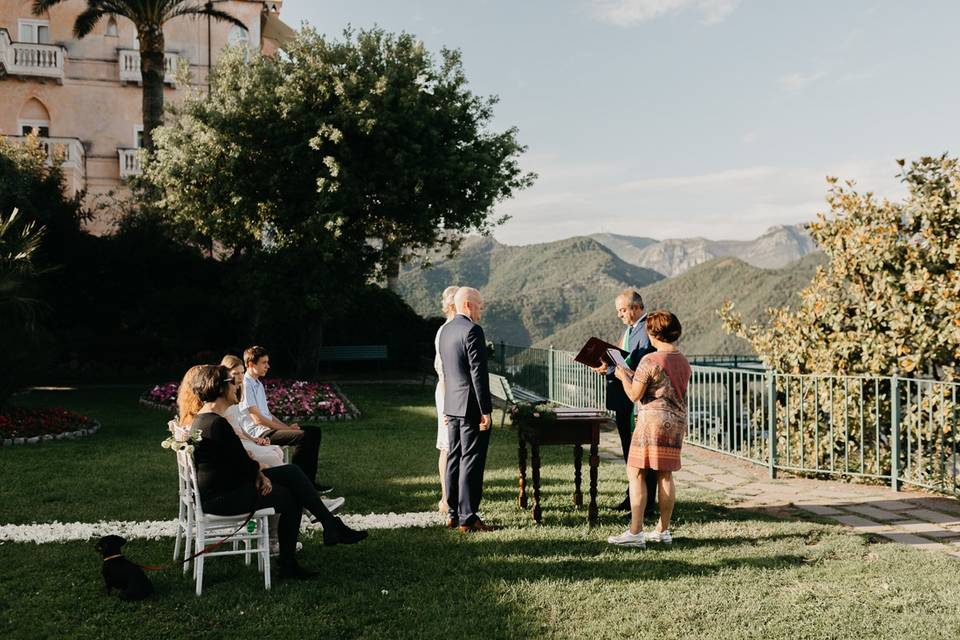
x=467, y=409
x=635, y=341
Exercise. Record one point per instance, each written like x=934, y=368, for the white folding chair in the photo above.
x=185, y=509
x=210, y=529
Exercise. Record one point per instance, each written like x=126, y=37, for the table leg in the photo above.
x=537, y=513
x=522, y=455
x=577, y=465
x=594, y=464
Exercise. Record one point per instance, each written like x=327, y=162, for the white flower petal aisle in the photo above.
x=41, y=533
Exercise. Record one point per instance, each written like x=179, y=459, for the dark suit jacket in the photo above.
x=638, y=347
x=463, y=352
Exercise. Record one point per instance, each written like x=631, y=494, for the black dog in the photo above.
x=120, y=573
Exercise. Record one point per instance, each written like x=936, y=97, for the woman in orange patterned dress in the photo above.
x=660, y=386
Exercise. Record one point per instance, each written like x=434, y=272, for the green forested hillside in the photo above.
x=531, y=291
x=695, y=296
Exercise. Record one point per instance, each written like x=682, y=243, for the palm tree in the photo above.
x=148, y=16
x=18, y=308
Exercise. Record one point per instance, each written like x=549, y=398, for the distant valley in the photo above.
x=560, y=293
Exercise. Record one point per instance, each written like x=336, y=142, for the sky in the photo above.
x=684, y=118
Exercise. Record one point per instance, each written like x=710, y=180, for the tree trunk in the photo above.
x=307, y=358
x=151, y=74
x=393, y=274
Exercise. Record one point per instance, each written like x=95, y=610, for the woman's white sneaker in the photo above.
x=627, y=539
x=660, y=536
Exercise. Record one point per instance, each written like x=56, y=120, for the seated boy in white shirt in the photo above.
x=258, y=422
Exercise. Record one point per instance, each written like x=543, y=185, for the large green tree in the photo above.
x=888, y=300
x=148, y=16
x=334, y=161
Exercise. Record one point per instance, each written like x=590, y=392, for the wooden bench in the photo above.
x=353, y=353
x=510, y=395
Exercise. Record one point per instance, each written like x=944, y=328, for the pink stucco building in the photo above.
x=84, y=96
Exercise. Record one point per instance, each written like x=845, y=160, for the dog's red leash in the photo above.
x=212, y=547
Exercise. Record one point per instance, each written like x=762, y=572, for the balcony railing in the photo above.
x=31, y=59
x=70, y=150
x=129, y=63
x=129, y=162
x=71, y=155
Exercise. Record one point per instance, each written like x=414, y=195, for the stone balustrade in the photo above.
x=31, y=59
x=129, y=162
x=129, y=66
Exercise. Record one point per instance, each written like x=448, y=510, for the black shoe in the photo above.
x=322, y=489
x=624, y=506
x=296, y=572
x=341, y=534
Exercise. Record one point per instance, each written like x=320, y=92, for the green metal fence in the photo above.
x=892, y=429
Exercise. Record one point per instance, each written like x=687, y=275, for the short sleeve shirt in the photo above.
x=254, y=395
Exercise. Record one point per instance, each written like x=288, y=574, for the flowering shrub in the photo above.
x=162, y=394
x=288, y=399
x=22, y=422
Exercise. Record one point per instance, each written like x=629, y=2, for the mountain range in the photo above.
x=559, y=293
x=777, y=247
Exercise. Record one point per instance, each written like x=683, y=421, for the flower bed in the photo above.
x=21, y=425
x=289, y=400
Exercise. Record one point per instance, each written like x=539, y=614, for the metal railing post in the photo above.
x=550, y=373
x=895, y=433
x=772, y=421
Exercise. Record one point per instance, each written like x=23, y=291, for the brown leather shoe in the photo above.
x=477, y=527
x=451, y=523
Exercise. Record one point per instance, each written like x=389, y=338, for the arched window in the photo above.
x=238, y=36
x=111, y=27
x=34, y=115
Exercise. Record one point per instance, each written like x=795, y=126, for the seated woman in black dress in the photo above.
x=231, y=482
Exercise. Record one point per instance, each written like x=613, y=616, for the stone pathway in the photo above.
x=915, y=518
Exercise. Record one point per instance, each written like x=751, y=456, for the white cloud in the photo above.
x=625, y=13
x=800, y=81
x=736, y=203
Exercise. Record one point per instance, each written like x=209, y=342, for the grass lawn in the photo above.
x=731, y=574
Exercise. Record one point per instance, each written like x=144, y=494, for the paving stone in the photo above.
x=873, y=512
x=921, y=527
x=819, y=509
x=892, y=505
x=933, y=516
x=942, y=534
x=914, y=541
x=861, y=524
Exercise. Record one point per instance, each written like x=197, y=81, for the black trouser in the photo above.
x=466, y=459
x=306, y=447
x=292, y=493
x=624, y=425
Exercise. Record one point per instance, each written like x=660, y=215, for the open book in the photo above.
x=596, y=352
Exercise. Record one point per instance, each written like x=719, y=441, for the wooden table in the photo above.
x=575, y=427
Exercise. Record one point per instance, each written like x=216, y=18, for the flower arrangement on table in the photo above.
x=289, y=400
x=26, y=422
x=525, y=412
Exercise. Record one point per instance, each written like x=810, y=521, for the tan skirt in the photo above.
x=657, y=440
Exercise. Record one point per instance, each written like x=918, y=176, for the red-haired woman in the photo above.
x=660, y=386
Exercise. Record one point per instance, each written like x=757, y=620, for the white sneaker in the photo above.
x=627, y=539
x=660, y=536
x=332, y=504
x=275, y=547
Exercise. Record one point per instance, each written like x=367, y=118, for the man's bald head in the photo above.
x=469, y=302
